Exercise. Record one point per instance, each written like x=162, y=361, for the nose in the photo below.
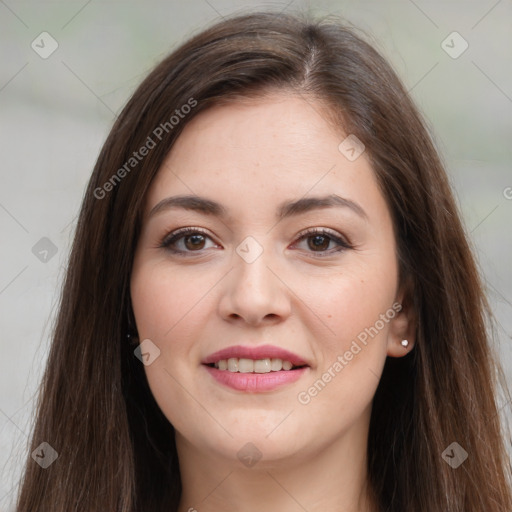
x=254, y=293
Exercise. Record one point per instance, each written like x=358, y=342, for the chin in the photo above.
x=252, y=443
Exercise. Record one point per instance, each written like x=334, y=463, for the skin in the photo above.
x=250, y=156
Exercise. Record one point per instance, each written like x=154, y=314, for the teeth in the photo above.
x=276, y=365
x=287, y=365
x=233, y=364
x=242, y=365
x=245, y=365
x=262, y=366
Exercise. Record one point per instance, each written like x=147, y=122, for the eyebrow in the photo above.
x=286, y=209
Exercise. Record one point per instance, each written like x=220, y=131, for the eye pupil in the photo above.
x=196, y=241
x=319, y=241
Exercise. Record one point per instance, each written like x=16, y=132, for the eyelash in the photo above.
x=173, y=237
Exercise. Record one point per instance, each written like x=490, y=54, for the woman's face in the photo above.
x=266, y=283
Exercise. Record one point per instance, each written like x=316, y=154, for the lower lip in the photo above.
x=255, y=382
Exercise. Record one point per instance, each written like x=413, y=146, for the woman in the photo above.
x=270, y=303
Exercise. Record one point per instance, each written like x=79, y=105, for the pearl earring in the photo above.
x=405, y=343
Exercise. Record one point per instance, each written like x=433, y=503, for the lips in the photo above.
x=287, y=368
x=255, y=353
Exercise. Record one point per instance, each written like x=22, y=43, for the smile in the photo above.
x=255, y=368
x=244, y=365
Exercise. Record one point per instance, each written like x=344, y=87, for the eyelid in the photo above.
x=323, y=231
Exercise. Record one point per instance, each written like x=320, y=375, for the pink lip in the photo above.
x=256, y=382
x=261, y=352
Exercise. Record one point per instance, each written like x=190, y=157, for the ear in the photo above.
x=403, y=325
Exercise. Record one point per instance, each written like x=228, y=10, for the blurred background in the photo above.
x=67, y=68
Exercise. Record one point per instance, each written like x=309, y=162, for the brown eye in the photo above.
x=186, y=240
x=319, y=240
x=196, y=241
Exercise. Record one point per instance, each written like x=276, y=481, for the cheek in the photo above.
x=168, y=305
x=353, y=353
x=350, y=300
x=357, y=306
x=164, y=298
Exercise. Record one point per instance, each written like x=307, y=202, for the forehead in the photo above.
x=260, y=150
x=280, y=123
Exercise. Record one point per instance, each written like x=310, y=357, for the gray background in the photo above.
x=56, y=112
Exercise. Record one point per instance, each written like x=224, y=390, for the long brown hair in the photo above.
x=116, y=448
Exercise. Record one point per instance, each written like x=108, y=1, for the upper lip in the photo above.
x=259, y=352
